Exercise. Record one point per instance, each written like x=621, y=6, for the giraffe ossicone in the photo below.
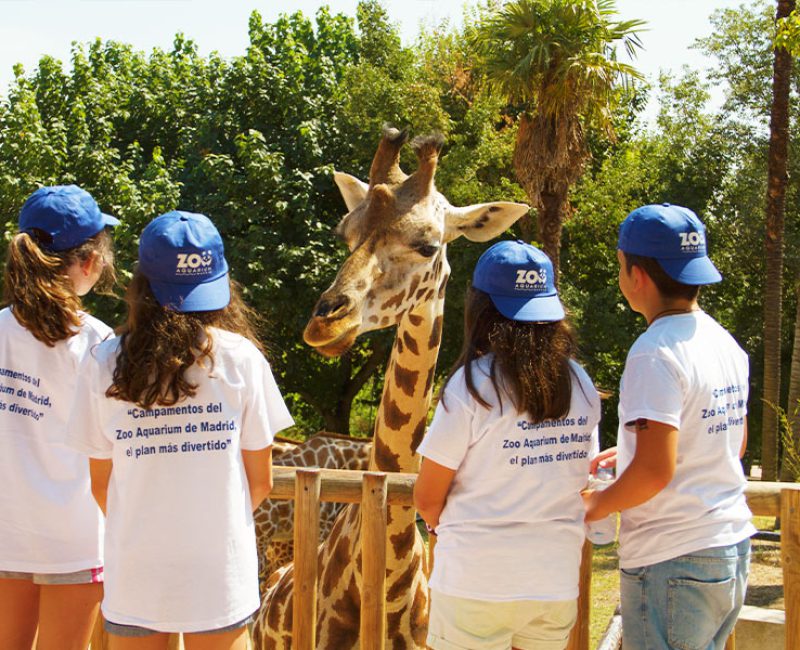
x=397, y=229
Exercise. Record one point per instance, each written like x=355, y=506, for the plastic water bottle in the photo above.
x=602, y=532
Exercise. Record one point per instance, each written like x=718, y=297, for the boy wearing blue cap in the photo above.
x=178, y=416
x=685, y=525
x=505, y=458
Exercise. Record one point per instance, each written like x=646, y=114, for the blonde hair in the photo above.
x=39, y=291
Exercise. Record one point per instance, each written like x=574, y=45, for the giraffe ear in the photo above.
x=482, y=222
x=353, y=190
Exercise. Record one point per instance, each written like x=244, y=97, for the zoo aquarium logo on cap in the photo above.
x=195, y=264
x=692, y=242
x=531, y=280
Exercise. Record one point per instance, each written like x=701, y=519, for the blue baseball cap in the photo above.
x=674, y=237
x=182, y=256
x=68, y=214
x=519, y=279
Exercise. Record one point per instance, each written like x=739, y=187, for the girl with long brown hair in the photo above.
x=504, y=461
x=178, y=418
x=51, y=566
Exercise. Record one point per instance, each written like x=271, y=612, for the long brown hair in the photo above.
x=159, y=345
x=531, y=360
x=39, y=291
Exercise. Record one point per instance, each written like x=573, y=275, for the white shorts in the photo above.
x=466, y=624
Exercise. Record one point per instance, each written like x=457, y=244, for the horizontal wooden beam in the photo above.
x=344, y=485
x=764, y=497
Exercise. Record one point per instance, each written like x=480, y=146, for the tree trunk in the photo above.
x=551, y=221
x=776, y=198
x=793, y=403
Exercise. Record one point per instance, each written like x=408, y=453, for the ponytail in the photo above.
x=39, y=291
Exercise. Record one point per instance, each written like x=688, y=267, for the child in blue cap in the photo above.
x=504, y=460
x=178, y=416
x=51, y=563
x=685, y=525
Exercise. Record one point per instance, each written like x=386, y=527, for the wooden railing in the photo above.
x=375, y=490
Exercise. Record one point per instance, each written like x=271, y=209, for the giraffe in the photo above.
x=397, y=229
x=274, y=520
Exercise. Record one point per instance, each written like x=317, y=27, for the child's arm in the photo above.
x=743, y=448
x=100, y=475
x=430, y=490
x=650, y=471
x=258, y=469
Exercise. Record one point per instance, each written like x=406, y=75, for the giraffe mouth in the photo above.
x=333, y=347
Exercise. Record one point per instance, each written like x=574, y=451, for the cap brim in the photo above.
x=108, y=220
x=207, y=296
x=541, y=309
x=692, y=271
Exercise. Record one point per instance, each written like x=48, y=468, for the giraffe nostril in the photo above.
x=332, y=307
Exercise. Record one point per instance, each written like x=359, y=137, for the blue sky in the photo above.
x=31, y=28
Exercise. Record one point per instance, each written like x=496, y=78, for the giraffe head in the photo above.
x=396, y=229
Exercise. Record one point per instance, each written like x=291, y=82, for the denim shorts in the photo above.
x=119, y=629
x=85, y=577
x=688, y=603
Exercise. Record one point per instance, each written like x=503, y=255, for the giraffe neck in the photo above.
x=408, y=386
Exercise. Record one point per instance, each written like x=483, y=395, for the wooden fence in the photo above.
x=375, y=490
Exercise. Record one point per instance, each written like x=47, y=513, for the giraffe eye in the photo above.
x=428, y=250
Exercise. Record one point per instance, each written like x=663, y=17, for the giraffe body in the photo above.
x=397, y=230
x=274, y=520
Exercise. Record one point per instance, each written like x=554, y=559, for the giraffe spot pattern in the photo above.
x=436, y=333
x=394, y=418
x=402, y=542
x=384, y=458
x=345, y=624
x=419, y=616
x=394, y=301
x=429, y=380
x=411, y=344
x=419, y=433
x=405, y=379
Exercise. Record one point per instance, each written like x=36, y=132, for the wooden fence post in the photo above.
x=373, y=561
x=790, y=558
x=579, y=637
x=306, y=534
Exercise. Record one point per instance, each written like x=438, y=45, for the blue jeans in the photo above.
x=688, y=603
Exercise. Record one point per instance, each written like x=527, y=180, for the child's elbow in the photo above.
x=661, y=478
x=423, y=503
x=261, y=490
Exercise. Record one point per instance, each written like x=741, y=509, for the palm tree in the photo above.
x=775, y=210
x=555, y=61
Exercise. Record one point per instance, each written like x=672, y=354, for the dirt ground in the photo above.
x=765, y=586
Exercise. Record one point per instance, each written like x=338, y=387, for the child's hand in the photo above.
x=606, y=458
x=590, y=498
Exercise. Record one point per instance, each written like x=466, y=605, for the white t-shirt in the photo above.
x=512, y=527
x=180, y=542
x=688, y=372
x=49, y=521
